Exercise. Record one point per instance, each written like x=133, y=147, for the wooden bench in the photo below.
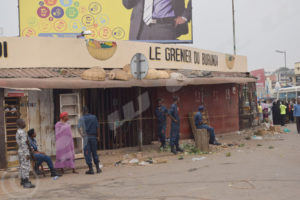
x=201, y=136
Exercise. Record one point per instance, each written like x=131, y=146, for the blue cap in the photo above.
x=201, y=108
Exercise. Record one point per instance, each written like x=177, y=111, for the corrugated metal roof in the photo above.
x=70, y=79
x=40, y=73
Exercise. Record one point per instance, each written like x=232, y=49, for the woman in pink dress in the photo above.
x=65, y=154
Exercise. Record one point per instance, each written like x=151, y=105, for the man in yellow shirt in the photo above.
x=260, y=112
x=282, y=113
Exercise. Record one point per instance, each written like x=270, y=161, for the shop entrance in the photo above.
x=12, y=113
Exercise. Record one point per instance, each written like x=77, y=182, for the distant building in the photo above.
x=297, y=73
x=260, y=83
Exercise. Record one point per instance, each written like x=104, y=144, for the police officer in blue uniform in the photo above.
x=175, y=126
x=161, y=113
x=200, y=125
x=89, y=129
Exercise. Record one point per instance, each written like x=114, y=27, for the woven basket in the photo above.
x=163, y=74
x=127, y=69
x=177, y=76
x=157, y=74
x=94, y=74
x=118, y=74
x=101, y=53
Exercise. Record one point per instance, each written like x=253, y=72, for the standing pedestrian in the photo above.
x=260, y=112
x=65, y=154
x=89, y=128
x=161, y=113
x=297, y=114
x=175, y=126
x=276, y=113
x=24, y=154
x=282, y=113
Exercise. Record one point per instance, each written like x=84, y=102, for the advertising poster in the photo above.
x=108, y=20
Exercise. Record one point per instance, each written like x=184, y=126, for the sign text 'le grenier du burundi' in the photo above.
x=183, y=56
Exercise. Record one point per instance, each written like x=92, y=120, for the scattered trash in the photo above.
x=100, y=166
x=271, y=147
x=259, y=145
x=198, y=159
x=286, y=130
x=192, y=170
x=247, y=138
x=118, y=163
x=159, y=161
x=230, y=145
x=242, y=185
x=134, y=161
x=124, y=162
x=240, y=151
x=242, y=145
x=228, y=154
x=180, y=158
x=143, y=163
x=55, y=178
x=254, y=137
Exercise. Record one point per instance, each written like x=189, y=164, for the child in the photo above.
x=24, y=154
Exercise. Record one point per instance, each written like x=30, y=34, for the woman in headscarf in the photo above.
x=65, y=154
x=276, y=113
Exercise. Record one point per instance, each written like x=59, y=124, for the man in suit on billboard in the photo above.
x=158, y=19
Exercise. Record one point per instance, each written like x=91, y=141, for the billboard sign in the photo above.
x=260, y=75
x=161, y=21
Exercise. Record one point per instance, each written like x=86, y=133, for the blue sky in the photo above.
x=262, y=26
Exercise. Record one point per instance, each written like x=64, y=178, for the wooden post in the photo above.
x=200, y=135
x=3, y=161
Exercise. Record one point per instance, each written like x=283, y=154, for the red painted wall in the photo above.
x=221, y=102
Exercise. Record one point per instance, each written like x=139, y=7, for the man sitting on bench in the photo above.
x=200, y=125
x=40, y=157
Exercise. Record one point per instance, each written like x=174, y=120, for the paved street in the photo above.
x=254, y=171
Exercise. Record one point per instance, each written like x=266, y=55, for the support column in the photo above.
x=3, y=161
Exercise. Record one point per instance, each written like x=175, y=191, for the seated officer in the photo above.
x=40, y=157
x=200, y=125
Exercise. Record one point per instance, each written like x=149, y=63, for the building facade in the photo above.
x=36, y=84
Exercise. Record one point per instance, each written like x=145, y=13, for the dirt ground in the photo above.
x=265, y=169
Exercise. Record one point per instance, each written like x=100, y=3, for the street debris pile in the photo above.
x=137, y=159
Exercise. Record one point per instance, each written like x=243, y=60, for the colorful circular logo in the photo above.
x=76, y=3
x=66, y=3
x=95, y=8
x=57, y=12
x=72, y=12
x=60, y=25
x=29, y=32
x=50, y=2
x=105, y=33
x=103, y=20
x=88, y=20
x=45, y=26
x=43, y=12
x=75, y=26
x=118, y=33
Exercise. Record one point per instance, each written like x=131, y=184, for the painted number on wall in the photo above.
x=3, y=49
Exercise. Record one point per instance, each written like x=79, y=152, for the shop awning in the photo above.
x=78, y=83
